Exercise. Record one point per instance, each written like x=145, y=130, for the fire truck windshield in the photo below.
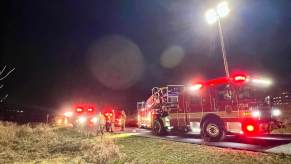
x=250, y=92
x=224, y=92
x=246, y=92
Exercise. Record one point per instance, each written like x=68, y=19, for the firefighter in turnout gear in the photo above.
x=122, y=120
x=101, y=123
x=112, y=122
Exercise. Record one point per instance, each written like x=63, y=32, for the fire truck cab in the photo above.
x=212, y=108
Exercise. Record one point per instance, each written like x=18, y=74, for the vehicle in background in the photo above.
x=212, y=108
x=86, y=115
x=112, y=113
x=83, y=115
x=60, y=120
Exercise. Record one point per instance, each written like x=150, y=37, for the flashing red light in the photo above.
x=240, y=78
x=106, y=114
x=79, y=110
x=196, y=87
x=217, y=81
x=90, y=109
x=250, y=128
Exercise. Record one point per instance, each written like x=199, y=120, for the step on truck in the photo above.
x=214, y=108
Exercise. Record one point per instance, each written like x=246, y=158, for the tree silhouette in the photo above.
x=3, y=75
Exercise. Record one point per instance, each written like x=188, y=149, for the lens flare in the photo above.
x=172, y=57
x=116, y=62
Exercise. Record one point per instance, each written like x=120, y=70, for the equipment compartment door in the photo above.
x=174, y=115
x=194, y=109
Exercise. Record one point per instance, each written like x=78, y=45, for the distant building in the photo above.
x=282, y=99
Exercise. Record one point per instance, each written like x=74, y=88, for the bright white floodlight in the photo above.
x=211, y=16
x=195, y=87
x=68, y=114
x=276, y=112
x=256, y=113
x=82, y=120
x=214, y=15
x=264, y=82
x=222, y=9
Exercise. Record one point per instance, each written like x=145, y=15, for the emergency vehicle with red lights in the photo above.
x=83, y=115
x=86, y=114
x=108, y=114
x=212, y=108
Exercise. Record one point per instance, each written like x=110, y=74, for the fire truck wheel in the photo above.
x=213, y=131
x=158, y=128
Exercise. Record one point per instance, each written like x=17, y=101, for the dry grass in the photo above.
x=44, y=144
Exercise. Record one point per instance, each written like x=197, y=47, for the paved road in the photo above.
x=268, y=143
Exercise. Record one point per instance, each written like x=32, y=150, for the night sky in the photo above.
x=115, y=51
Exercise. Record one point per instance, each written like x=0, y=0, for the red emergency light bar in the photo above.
x=240, y=78
x=217, y=81
x=196, y=87
x=224, y=80
x=108, y=114
x=79, y=109
x=84, y=108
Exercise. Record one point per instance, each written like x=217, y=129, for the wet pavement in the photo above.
x=269, y=143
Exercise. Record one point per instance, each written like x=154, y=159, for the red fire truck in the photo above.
x=108, y=114
x=212, y=108
x=86, y=114
x=83, y=114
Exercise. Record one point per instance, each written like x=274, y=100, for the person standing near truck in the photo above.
x=112, y=121
x=122, y=120
x=101, y=123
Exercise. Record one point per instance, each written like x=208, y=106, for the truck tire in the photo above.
x=158, y=128
x=213, y=130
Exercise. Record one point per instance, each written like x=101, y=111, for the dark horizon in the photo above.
x=115, y=52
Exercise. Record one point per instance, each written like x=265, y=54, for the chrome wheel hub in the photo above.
x=212, y=130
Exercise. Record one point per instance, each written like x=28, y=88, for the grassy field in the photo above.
x=45, y=144
x=146, y=150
